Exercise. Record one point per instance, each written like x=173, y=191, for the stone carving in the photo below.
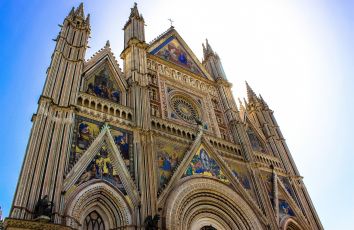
x=151, y=223
x=44, y=208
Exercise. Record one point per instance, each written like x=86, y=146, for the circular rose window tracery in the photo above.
x=184, y=109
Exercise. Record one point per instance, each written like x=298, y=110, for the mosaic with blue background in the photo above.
x=203, y=164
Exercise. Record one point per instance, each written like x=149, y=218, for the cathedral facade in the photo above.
x=159, y=144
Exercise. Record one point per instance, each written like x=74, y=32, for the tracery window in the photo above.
x=93, y=221
x=185, y=109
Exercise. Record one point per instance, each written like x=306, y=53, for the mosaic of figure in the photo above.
x=241, y=173
x=101, y=168
x=169, y=154
x=86, y=132
x=102, y=86
x=243, y=179
x=203, y=164
x=121, y=139
x=255, y=142
x=285, y=209
x=171, y=50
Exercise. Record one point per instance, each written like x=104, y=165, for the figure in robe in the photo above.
x=85, y=136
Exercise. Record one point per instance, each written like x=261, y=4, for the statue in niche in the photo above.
x=152, y=223
x=44, y=207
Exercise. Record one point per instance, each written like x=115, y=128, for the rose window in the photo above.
x=184, y=109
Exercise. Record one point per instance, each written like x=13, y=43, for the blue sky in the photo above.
x=298, y=54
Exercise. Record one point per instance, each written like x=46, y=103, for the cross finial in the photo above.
x=171, y=21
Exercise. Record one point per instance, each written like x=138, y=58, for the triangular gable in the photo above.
x=101, y=167
x=256, y=138
x=102, y=84
x=86, y=131
x=102, y=55
x=221, y=172
x=171, y=47
x=102, y=77
x=102, y=160
x=203, y=163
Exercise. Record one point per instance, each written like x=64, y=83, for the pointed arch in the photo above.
x=197, y=198
x=114, y=209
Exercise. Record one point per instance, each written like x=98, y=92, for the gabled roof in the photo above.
x=105, y=138
x=170, y=47
x=106, y=54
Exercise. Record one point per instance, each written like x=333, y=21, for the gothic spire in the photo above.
x=264, y=103
x=88, y=19
x=134, y=14
x=212, y=62
x=72, y=12
x=134, y=27
x=207, y=50
x=79, y=12
x=108, y=44
x=250, y=93
x=242, y=108
x=134, y=11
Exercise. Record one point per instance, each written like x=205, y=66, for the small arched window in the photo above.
x=93, y=221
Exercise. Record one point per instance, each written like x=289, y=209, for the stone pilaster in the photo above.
x=135, y=68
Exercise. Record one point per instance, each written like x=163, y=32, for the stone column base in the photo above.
x=17, y=224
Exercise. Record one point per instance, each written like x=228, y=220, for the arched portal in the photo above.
x=97, y=204
x=200, y=202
